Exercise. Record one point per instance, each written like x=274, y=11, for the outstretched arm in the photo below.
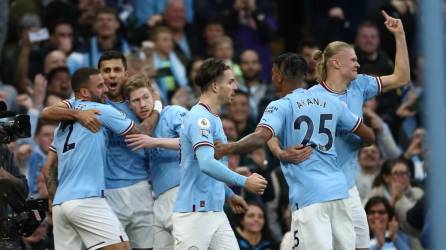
x=138, y=141
x=401, y=72
x=246, y=144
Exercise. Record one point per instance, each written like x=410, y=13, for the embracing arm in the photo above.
x=138, y=141
x=61, y=112
x=247, y=143
x=294, y=154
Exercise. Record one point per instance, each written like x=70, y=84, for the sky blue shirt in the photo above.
x=358, y=91
x=165, y=171
x=311, y=118
x=199, y=191
x=81, y=153
x=125, y=167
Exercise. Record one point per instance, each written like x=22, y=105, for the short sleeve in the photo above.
x=115, y=120
x=274, y=116
x=52, y=146
x=69, y=103
x=201, y=131
x=347, y=120
x=370, y=85
x=176, y=118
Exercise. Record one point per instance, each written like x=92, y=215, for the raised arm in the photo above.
x=401, y=72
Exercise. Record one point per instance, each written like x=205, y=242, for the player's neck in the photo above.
x=212, y=102
x=288, y=87
x=115, y=98
x=336, y=83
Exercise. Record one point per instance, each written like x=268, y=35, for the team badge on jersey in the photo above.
x=204, y=123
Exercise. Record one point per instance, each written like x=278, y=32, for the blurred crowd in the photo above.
x=42, y=42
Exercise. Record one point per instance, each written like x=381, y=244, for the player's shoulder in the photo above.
x=317, y=88
x=201, y=116
x=278, y=105
x=174, y=109
x=83, y=105
x=360, y=80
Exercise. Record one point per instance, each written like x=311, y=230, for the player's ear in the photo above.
x=84, y=92
x=335, y=62
x=214, y=86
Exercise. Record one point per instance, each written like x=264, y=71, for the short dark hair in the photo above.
x=292, y=65
x=209, y=71
x=81, y=77
x=54, y=72
x=110, y=55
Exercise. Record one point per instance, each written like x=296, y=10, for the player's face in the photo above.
x=377, y=214
x=347, y=63
x=114, y=74
x=254, y=220
x=97, y=89
x=141, y=102
x=226, y=86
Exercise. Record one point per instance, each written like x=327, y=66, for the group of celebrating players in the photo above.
x=115, y=135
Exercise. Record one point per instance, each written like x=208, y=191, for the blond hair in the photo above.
x=321, y=58
x=134, y=82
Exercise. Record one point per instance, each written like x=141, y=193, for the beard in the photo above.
x=99, y=99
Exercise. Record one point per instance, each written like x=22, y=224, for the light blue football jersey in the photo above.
x=125, y=167
x=165, y=170
x=358, y=91
x=311, y=119
x=81, y=153
x=198, y=191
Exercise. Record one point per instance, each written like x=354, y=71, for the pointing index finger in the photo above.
x=386, y=16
